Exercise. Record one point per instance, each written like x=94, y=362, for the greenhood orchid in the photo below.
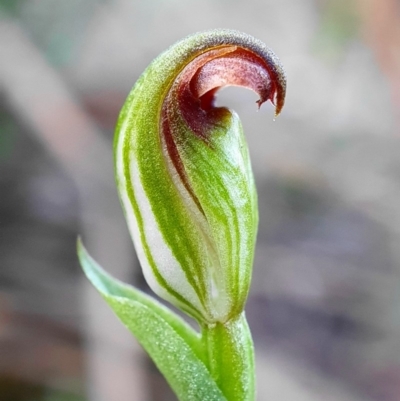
x=186, y=186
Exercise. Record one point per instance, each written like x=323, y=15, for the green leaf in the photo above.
x=175, y=348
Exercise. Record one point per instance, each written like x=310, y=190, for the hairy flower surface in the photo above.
x=184, y=175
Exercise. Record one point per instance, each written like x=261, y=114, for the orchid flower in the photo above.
x=186, y=186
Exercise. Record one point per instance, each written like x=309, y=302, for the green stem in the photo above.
x=231, y=358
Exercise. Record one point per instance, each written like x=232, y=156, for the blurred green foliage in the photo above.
x=339, y=25
x=10, y=7
x=8, y=136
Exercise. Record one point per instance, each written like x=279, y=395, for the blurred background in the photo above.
x=324, y=306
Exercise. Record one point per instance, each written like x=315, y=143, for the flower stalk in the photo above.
x=230, y=355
